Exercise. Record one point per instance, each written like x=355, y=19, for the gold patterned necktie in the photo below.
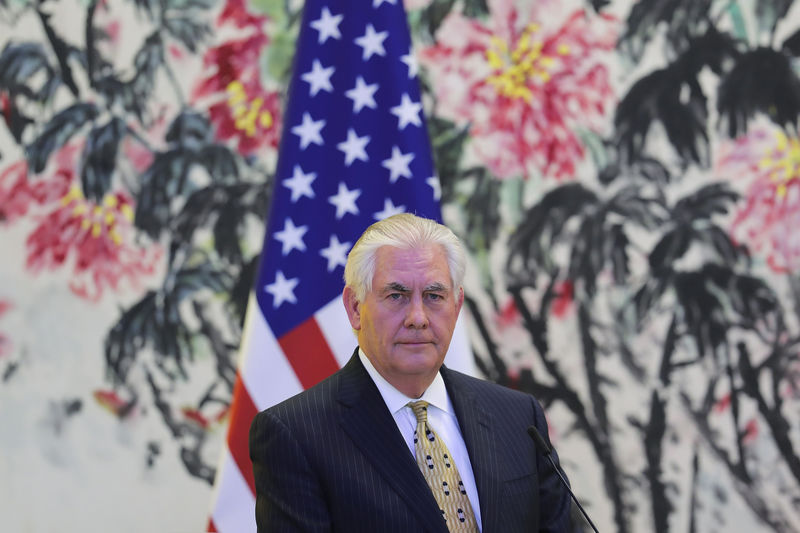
x=439, y=470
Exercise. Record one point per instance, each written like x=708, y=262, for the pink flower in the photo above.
x=241, y=109
x=525, y=83
x=19, y=193
x=769, y=219
x=95, y=238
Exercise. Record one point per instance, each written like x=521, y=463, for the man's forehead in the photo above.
x=426, y=264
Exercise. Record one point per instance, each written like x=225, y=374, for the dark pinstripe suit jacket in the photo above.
x=332, y=459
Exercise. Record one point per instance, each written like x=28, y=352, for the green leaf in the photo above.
x=279, y=55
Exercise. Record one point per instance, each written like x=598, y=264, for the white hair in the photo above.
x=402, y=231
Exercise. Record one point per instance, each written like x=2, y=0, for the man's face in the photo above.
x=406, y=321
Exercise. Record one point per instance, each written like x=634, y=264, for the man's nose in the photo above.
x=416, y=317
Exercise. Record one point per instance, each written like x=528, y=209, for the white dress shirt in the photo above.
x=441, y=417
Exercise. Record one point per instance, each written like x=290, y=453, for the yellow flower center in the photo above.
x=515, y=70
x=783, y=162
x=248, y=114
x=95, y=218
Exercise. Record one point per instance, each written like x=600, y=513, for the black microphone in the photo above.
x=545, y=449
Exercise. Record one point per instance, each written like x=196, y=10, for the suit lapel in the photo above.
x=373, y=430
x=476, y=428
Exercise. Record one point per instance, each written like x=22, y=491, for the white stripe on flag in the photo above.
x=235, y=504
x=332, y=320
x=265, y=371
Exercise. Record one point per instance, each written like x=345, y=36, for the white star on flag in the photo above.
x=345, y=201
x=318, y=78
x=372, y=42
x=411, y=62
x=300, y=183
x=362, y=95
x=335, y=253
x=354, y=147
x=407, y=112
x=377, y=3
x=389, y=209
x=282, y=289
x=436, y=185
x=398, y=164
x=327, y=25
x=309, y=131
x=291, y=237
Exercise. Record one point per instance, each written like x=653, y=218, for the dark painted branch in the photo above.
x=589, y=346
x=653, y=446
x=665, y=371
x=778, y=425
x=693, y=505
x=735, y=412
x=537, y=328
x=59, y=48
x=176, y=428
x=498, y=372
x=226, y=367
x=91, y=49
x=195, y=466
x=745, y=490
x=190, y=457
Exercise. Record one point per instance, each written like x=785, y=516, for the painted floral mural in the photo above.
x=626, y=175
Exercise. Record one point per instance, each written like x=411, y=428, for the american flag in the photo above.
x=354, y=150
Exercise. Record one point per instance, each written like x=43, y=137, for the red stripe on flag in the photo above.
x=309, y=354
x=243, y=410
x=211, y=527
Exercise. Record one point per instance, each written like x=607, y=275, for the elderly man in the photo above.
x=395, y=441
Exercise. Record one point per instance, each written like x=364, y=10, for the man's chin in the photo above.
x=422, y=356
x=422, y=350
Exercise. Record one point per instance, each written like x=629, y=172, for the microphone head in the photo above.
x=539, y=440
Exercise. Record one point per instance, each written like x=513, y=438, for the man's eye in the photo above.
x=395, y=296
x=435, y=297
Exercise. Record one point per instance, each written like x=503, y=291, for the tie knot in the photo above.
x=420, y=409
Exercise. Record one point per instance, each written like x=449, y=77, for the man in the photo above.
x=395, y=441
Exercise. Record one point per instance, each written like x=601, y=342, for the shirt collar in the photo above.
x=435, y=394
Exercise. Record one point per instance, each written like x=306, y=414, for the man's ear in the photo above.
x=352, y=306
x=459, y=300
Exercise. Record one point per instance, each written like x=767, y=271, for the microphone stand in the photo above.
x=545, y=449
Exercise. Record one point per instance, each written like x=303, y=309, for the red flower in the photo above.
x=240, y=108
x=723, y=404
x=526, y=85
x=18, y=194
x=562, y=304
x=750, y=431
x=112, y=402
x=508, y=315
x=96, y=238
x=195, y=416
x=771, y=213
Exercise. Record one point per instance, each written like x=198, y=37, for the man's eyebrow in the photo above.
x=436, y=287
x=395, y=287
